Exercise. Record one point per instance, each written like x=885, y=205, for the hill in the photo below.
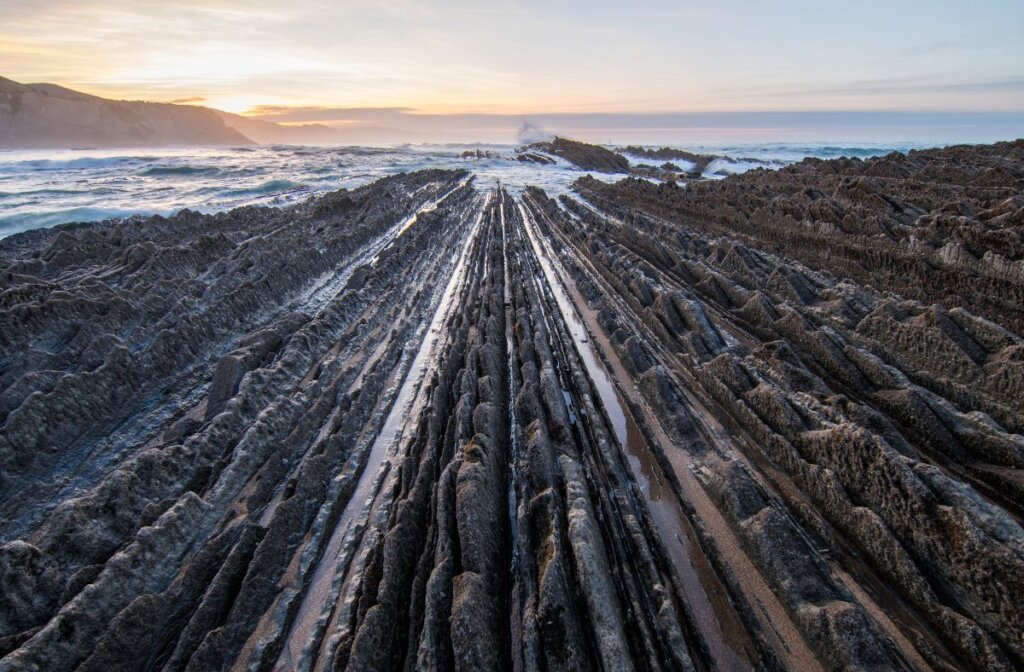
x=51, y=116
x=48, y=116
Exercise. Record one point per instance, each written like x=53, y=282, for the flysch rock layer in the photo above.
x=770, y=422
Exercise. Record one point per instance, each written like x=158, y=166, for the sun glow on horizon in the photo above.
x=244, y=104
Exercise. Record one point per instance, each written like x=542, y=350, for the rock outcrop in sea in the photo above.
x=584, y=156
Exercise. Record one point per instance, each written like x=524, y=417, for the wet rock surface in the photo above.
x=583, y=155
x=772, y=422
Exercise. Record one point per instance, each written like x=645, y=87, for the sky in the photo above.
x=606, y=70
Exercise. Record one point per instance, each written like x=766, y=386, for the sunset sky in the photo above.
x=305, y=60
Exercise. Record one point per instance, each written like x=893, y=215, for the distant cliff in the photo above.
x=50, y=116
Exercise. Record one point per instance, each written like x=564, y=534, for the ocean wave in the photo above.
x=728, y=166
x=95, y=191
x=73, y=164
x=43, y=188
x=367, y=151
x=792, y=152
x=12, y=224
x=180, y=170
x=269, y=188
x=243, y=171
x=829, y=152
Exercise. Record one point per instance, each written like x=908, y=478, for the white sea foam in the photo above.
x=41, y=188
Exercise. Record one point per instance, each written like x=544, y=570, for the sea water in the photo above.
x=40, y=188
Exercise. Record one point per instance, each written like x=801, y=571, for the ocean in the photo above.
x=40, y=188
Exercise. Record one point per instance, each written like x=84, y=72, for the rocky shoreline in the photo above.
x=769, y=422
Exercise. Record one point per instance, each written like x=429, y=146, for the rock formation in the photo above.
x=772, y=422
x=584, y=156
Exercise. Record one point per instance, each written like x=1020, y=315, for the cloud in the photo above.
x=931, y=85
x=325, y=114
x=189, y=101
x=346, y=62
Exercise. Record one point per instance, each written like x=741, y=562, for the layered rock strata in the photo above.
x=418, y=425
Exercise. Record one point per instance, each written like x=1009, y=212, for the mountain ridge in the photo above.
x=50, y=116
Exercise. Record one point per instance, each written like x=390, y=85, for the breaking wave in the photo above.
x=41, y=188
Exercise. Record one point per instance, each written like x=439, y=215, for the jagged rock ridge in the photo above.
x=420, y=426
